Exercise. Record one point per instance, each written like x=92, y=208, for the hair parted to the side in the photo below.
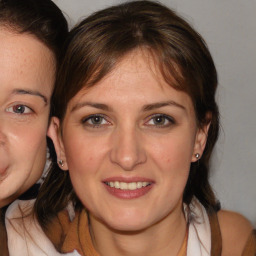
x=40, y=18
x=43, y=20
x=96, y=46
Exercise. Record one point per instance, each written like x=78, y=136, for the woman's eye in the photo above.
x=19, y=109
x=95, y=121
x=160, y=121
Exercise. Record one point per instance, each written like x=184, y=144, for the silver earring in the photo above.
x=197, y=155
x=61, y=163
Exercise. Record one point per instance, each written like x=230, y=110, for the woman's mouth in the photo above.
x=128, y=190
x=127, y=185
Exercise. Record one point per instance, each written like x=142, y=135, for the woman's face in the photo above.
x=128, y=143
x=26, y=82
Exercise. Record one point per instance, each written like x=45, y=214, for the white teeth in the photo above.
x=139, y=185
x=132, y=186
x=117, y=185
x=127, y=186
x=144, y=184
x=123, y=185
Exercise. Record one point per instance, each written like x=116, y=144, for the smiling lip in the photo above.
x=3, y=168
x=4, y=163
x=3, y=173
x=128, y=188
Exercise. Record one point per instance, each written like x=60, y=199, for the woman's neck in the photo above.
x=163, y=238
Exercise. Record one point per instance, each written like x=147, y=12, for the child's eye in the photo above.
x=19, y=109
x=95, y=121
x=160, y=120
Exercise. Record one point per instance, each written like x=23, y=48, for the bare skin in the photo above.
x=235, y=231
x=26, y=83
x=139, y=129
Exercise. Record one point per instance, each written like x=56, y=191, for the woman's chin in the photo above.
x=124, y=223
x=127, y=226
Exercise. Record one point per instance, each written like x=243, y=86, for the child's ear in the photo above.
x=201, y=139
x=55, y=134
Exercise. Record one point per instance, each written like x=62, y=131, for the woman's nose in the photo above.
x=127, y=149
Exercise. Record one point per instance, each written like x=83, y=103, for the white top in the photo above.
x=25, y=236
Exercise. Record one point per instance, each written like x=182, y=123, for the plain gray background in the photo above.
x=229, y=28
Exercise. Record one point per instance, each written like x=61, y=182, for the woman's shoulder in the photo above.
x=235, y=231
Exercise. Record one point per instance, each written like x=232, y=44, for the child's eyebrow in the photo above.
x=31, y=92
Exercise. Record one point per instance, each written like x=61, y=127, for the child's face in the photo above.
x=26, y=82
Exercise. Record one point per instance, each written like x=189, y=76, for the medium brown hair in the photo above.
x=96, y=46
x=40, y=18
x=44, y=20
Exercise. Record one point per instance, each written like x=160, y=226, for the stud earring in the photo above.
x=61, y=163
x=197, y=155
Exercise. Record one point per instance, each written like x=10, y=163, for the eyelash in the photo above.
x=85, y=121
x=27, y=110
x=170, y=120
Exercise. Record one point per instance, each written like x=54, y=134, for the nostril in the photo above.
x=127, y=150
x=127, y=160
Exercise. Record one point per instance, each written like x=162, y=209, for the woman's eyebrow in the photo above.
x=157, y=105
x=31, y=92
x=147, y=107
x=91, y=104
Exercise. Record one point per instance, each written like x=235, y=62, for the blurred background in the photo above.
x=229, y=29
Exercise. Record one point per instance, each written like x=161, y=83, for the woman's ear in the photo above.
x=55, y=135
x=201, y=139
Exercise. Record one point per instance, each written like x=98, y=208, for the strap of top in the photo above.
x=3, y=235
x=216, y=240
x=250, y=247
x=3, y=241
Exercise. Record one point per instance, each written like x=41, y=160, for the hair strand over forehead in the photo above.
x=40, y=18
x=98, y=44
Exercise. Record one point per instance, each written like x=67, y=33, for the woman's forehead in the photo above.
x=135, y=78
x=140, y=61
